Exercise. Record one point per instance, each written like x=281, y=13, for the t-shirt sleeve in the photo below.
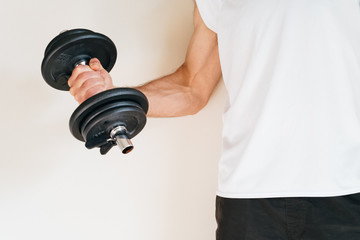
x=209, y=11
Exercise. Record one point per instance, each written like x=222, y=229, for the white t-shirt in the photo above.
x=292, y=120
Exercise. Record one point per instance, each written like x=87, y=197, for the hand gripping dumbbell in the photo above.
x=109, y=118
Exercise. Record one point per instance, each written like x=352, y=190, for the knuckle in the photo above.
x=104, y=73
x=76, y=98
x=81, y=69
x=92, y=83
x=71, y=80
x=88, y=75
x=83, y=75
x=93, y=91
x=76, y=70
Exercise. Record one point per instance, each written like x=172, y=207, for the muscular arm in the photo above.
x=184, y=92
x=187, y=90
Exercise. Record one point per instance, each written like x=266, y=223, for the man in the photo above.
x=290, y=167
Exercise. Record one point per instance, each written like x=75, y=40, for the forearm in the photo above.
x=184, y=92
x=173, y=95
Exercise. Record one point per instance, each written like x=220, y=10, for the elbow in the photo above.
x=198, y=103
x=196, y=89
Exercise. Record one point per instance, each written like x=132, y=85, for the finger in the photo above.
x=108, y=80
x=80, y=92
x=76, y=72
x=90, y=83
x=88, y=92
x=95, y=64
x=93, y=90
x=83, y=77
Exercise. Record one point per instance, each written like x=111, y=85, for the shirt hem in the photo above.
x=288, y=194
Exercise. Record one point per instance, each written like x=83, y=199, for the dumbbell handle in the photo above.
x=82, y=62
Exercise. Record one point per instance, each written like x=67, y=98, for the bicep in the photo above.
x=187, y=90
x=202, y=62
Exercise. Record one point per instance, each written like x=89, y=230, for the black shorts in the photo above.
x=330, y=218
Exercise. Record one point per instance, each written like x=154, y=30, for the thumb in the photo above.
x=95, y=64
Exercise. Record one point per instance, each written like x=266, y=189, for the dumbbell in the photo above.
x=112, y=117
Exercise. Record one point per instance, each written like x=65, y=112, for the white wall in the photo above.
x=51, y=186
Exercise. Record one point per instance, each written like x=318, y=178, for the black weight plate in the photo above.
x=71, y=47
x=98, y=101
x=97, y=131
x=106, y=114
x=53, y=44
